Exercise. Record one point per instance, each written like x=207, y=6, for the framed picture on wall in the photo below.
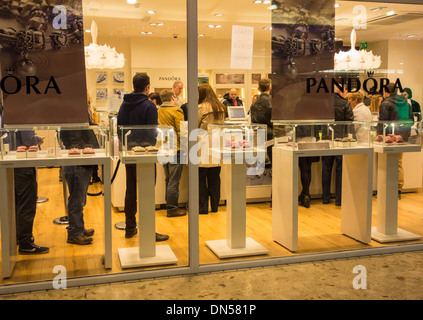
x=119, y=77
x=101, y=77
x=234, y=78
x=119, y=92
x=101, y=94
x=255, y=78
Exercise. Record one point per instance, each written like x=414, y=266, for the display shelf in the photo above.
x=163, y=140
x=227, y=146
x=64, y=136
x=356, y=208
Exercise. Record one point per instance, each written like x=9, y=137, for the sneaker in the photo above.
x=81, y=240
x=32, y=248
x=161, y=237
x=88, y=232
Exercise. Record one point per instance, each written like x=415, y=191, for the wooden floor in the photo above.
x=319, y=231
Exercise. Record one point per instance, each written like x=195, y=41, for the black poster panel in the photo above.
x=42, y=62
x=302, y=52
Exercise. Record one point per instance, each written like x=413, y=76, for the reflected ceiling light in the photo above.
x=214, y=26
x=337, y=5
x=157, y=24
x=356, y=60
x=145, y=32
x=151, y=12
x=201, y=35
x=411, y=35
x=131, y=1
x=390, y=13
x=267, y=1
x=377, y=9
x=219, y=14
x=258, y=1
x=101, y=57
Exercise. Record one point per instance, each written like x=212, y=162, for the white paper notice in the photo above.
x=242, y=47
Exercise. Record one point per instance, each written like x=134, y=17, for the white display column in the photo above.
x=356, y=210
x=147, y=253
x=387, y=229
x=8, y=221
x=236, y=244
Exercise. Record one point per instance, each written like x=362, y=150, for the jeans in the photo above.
x=327, y=164
x=209, y=179
x=78, y=179
x=25, y=203
x=173, y=174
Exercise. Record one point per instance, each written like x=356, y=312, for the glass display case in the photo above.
x=148, y=140
x=67, y=142
x=226, y=141
x=397, y=133
x=322, y=135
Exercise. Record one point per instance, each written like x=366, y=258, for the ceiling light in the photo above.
x=356, y=60
x=258, y=1
x=101, y=57
x=337, y=5
x=390, y=13
x=272, y=7
x=211, y=25
x=131, y=1
x=267, y=1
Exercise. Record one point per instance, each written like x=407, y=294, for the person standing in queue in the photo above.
x=137, y=109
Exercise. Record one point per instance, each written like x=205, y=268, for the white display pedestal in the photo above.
x=236, y=244
x=7, y=200
x=147, y=254
x=387, y=195
x=356, y=210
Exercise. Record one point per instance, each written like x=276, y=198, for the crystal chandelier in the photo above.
x=102, y=57
x=356, y=60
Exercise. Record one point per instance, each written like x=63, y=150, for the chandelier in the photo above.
x=102, y=57
x=356, y=60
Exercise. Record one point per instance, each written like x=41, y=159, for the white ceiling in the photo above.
x=118, y=19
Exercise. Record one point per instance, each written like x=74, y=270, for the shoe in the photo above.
x=177, y=213
x=130, y=233
x=324, y=201
x=88, y=232
x=305, y=201
x=80, y=240
x=399, y=194
x=32, y=248
x=161, y=237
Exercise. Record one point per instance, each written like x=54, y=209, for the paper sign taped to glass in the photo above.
x=42, y=62
x=302, y=47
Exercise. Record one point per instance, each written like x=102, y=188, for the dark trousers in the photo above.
x=131, y=207
x=304, y=164
x=25, y=203
x=209, y=180
x=327, y=164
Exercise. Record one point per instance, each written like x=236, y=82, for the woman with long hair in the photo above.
x=210, y=111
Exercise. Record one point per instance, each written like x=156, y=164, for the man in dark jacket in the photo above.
x=343, y=112
x=395, y=107
x=261, y=111
x=231, y=99
x=136, y=110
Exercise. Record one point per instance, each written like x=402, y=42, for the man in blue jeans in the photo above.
x=170, y=114
x=78, y=179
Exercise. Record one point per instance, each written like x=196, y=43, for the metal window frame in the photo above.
x=194, y=266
